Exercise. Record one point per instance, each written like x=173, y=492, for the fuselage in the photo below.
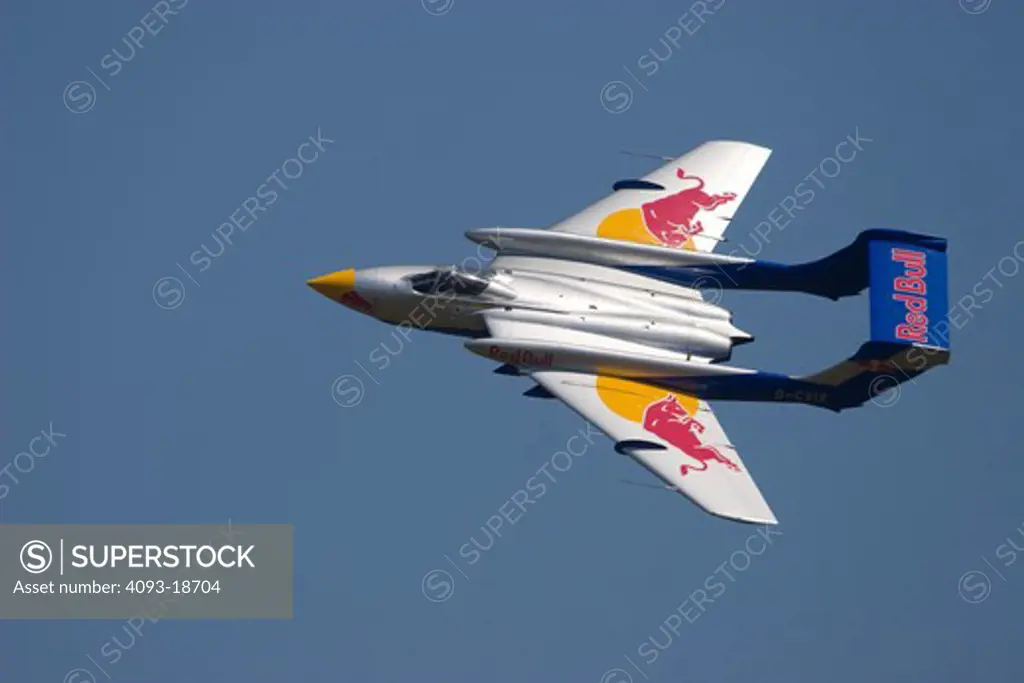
x=598, y=300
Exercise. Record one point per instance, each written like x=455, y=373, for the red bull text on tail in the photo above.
x=909, y=297
x=911, y=290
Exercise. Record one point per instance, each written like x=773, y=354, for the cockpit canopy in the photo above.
x=456, y=281
x=445, y=280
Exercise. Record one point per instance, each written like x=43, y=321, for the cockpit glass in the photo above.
x=445, y=280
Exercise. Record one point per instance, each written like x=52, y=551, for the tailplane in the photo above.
x=907, y=275
x=909, y=328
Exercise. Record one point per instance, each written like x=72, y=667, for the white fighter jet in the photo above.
x=605, y=312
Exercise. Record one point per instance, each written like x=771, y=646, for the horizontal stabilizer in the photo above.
x=876, y=368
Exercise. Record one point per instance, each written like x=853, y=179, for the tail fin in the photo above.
x=909, y=329
x=909, y=301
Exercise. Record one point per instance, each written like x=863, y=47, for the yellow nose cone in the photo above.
x=334, y=285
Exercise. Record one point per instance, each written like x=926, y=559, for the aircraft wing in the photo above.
x=687, y=203
x=673, y=435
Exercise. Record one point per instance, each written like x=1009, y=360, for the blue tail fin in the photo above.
x=909, y=327
x=909, y=291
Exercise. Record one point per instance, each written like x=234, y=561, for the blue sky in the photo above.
x=480, y=114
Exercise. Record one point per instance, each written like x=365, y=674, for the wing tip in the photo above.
x=765, y=518
x=742, y=143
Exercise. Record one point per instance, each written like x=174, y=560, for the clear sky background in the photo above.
x=492, y=114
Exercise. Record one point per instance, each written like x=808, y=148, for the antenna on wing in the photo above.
x=712, y=237
x=631, y=153
x=649, y=486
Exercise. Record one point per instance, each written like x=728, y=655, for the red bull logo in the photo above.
x=668, y=419
x=911, y=289
x=673, y=219
x=670, y=416
x=669, y=221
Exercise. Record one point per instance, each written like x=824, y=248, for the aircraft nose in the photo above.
x=334, y=285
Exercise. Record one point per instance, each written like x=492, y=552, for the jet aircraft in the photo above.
x=605, y=312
